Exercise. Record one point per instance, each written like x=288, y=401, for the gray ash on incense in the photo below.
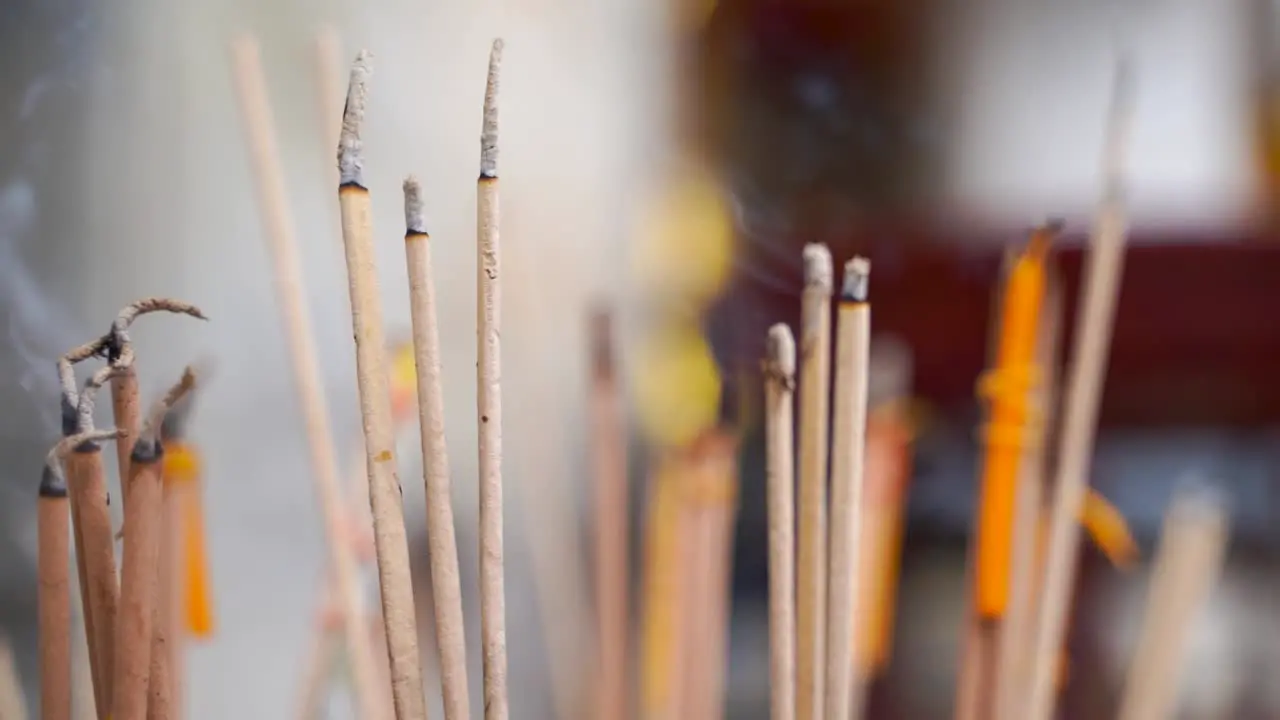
x=149, y=448
x=53, y=483
x=489, y=130
x=857, y=277
x=350, y=147
x=88, y=397
x=119, y=350
x=415, y=213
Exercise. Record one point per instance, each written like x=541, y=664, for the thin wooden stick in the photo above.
x=849, y=430
x=142, y=539
x=493, y=624
x=442, y=541
x=13, y=701
x=662, y=640
x=720, y=489
x=811, y=563
x=609, y=467
x=1080, y=411
x=291, y=296
x=1192, y=549
x=54, y=564
x=780, y=369
x=328, y=77
x=385, y=499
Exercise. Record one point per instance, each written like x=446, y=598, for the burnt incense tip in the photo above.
x=489, y=130
x=350, y=147
x=52, y=485
x=175, y=422
x=155, y=420
x=146, y=450
x=70, y=416
x=415, y=212
x=857, y=278
x=818, y=270
x=53, y=460
x=781, y=351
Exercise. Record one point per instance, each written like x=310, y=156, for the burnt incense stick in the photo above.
x=811, y=556
x=385, y=498
x=780, y=370
x=609, y=466
x=493, y=624
x=1080, y=408
x=849, y=430
x=290, y=290
x=134, y=628
x=54, y=563
x=442, y=542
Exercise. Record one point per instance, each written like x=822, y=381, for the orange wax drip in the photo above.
x=182, y=468
x=1008, y=389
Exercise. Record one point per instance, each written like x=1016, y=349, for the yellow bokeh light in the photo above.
x=686, y=248
x=677, y=386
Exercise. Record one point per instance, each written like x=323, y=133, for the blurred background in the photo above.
x=671, y=159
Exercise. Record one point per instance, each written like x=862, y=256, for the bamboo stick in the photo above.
x=780, y=368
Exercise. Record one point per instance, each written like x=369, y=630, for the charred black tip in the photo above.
x=146, y=450
x=51, y=484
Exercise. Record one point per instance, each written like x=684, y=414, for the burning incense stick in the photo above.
x=132, y=672
x=811, y=563
x=385, y=499
x=849, y=429
x=1192, y=548
x=55, y=579
x=493, y=624
x=446, y=585
x=1080, y=409
x=609, y=465
x=780, y=368
x=291, y=296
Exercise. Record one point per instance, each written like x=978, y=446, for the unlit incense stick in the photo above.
x=811, y=558
x=281, y=238
x=446, y=585
x=493, y=624
x=780, y=368
x=1080, y=410
x=385, y=499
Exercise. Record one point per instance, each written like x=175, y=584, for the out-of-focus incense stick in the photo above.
x=385, y=498
x=291, y=296
x=811, y=558
x=13, y=701
x=142, y=539
x=662, y=648
x=849, y=430
x=493, y=625
x=446, y=584
x=780, y=369
x=609, y=466
x=328, y=78
x=1083, y=396
x=1192, y=548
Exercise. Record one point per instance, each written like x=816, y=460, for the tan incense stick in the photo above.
x=811, y=558
x=493, y=624
x=849, y=430
x=609, y=467
x=134, y=629
x=780, y=368
x=1080, y=409
x=13, y=701
x=162, y=702
x=328, y=71
x=1192, y=547
x=291, y=296
x=446, y=585
x=385, y=500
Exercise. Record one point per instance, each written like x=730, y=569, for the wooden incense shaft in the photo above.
x=385, y=498
x=166, y=635
x=718, y=493
x=142, y=539
x=127, y=414
x=609, y=466
x=54, y=568
x=290, y=293
x=76, y=484
x=87, y=484
x=849, y=429
x=811, y=556
x=493, y=623
x=661, y=641
x=779, y=401
x=1192, y=549
x=446, y=584
x=1007, y=389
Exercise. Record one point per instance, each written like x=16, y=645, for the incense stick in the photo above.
x=780, y=368
x=385, y=499
x=328, y=77
x=609, y=467
x=442, y=542
x=811, y=564
x=493, y=624
x=1192, y=548
x=291, y=296
x=849, y=430
x=1080, y=410
x=13, y=701
x=54, y=563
